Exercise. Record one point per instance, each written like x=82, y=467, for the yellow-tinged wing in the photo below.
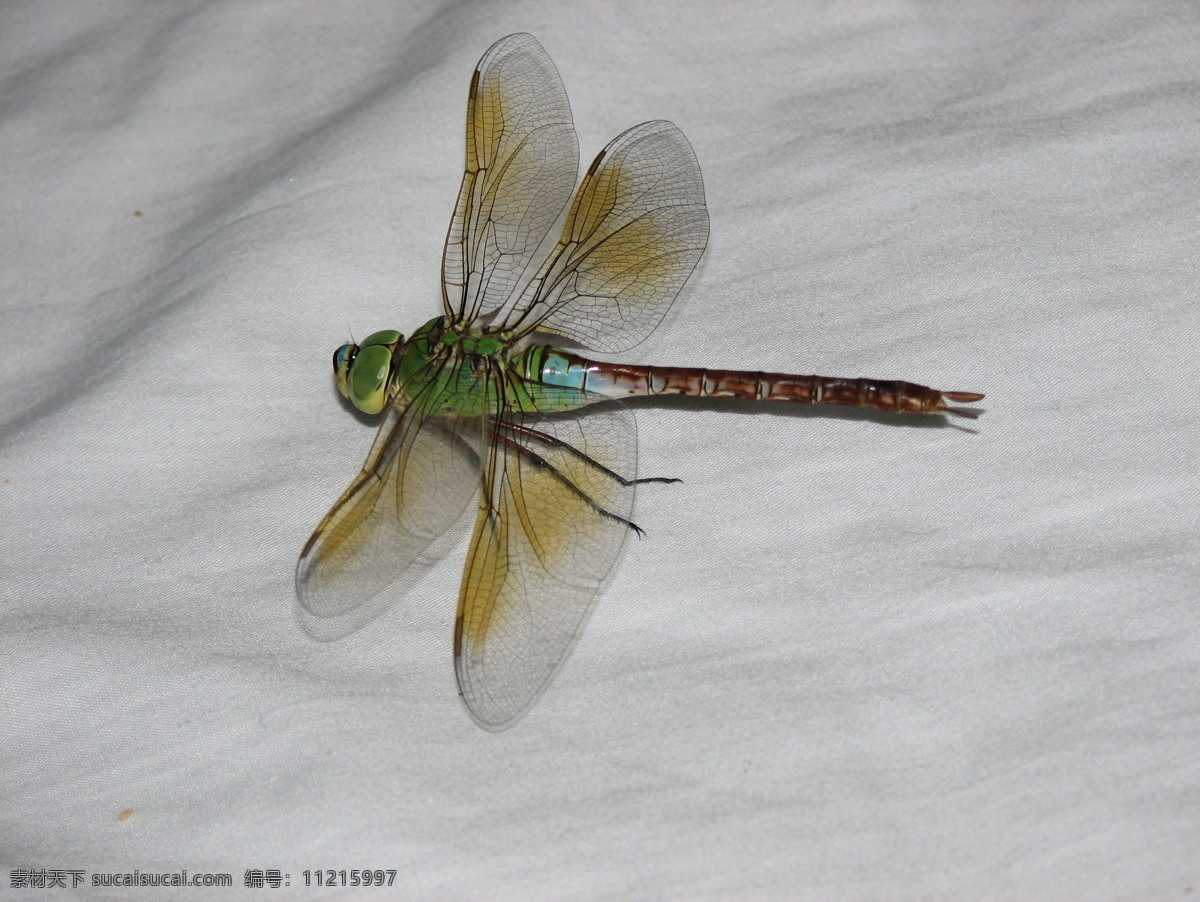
x=522, y=160
x=635, y=231
x=549, y=527
x=414, y=485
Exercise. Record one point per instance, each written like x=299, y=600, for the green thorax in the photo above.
x=449, y=370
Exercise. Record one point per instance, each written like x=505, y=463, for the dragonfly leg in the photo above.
x=538, y=461
x=571, y=449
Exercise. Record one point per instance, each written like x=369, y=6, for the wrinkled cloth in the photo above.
x=856, y=656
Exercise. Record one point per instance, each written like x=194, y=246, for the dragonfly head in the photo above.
x=363, y=371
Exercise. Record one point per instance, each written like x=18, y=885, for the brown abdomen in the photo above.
x=623, y=380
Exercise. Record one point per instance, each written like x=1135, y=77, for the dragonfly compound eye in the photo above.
x=367, y=374
x=343, y=358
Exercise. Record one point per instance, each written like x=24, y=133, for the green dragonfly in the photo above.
x=479, y=399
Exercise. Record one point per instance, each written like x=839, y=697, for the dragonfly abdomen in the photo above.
x=621, y=380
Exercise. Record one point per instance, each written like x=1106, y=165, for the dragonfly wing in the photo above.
x=548, y=531
x=636, y=229
x=522, y=159
x=415, y=484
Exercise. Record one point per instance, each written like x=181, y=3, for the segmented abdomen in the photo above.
x=620, y=380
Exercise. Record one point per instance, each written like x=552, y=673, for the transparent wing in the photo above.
x=636, y=230
x=548, y=531
x=522, y=160
x=415, y=484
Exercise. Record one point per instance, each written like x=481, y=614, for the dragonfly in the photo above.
x=497, y=398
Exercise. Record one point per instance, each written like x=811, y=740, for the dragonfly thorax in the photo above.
x=453, y=367
x=472, y=340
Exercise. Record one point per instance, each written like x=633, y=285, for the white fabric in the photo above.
x=855, y=657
